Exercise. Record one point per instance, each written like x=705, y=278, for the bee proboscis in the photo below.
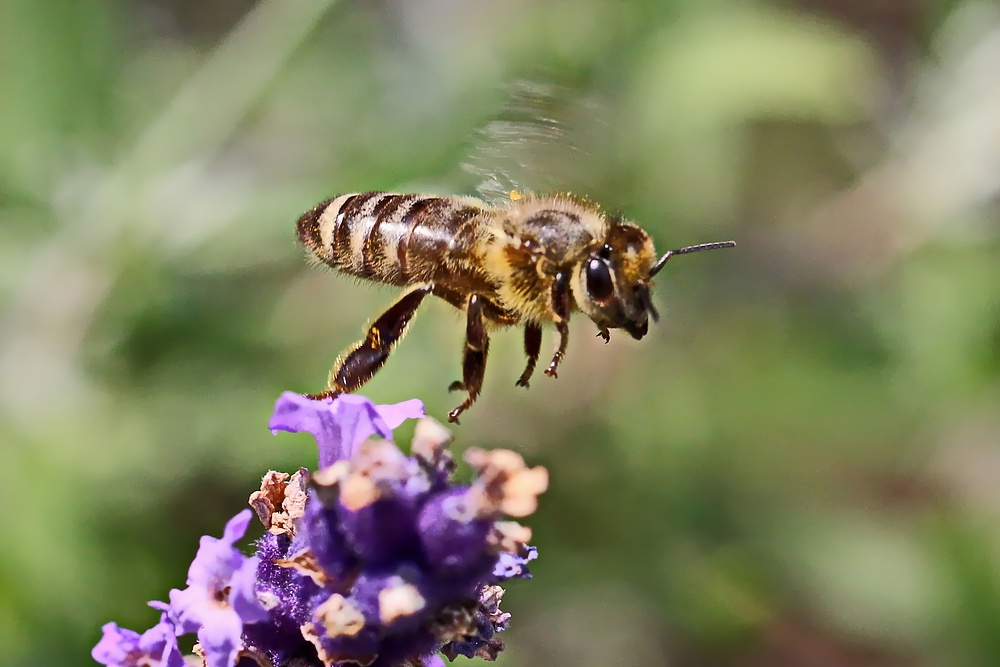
x=533, y=260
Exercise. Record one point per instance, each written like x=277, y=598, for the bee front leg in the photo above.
x=477, y=346
x=362, y=361
x=560, y=306
x=532, y=348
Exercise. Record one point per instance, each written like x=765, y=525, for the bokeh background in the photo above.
x=799, y=467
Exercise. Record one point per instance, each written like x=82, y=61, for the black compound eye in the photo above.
x=599, y=283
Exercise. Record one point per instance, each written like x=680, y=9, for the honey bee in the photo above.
x=532, y=260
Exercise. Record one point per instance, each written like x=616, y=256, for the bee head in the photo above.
x=613, y=284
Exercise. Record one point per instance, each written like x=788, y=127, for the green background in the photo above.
x=799, y=466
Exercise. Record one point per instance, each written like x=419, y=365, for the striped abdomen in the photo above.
x=394, y=238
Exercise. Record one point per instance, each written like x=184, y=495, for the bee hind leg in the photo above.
x=365, y=358
x=532, y=348
x=477, y=346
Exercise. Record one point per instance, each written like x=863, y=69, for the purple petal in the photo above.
x=396, y=414
x=217, y=559
x=220, y=638
x=357, y=420
x=188, y=607
x=514, y=566
x=295, y=413
x=157, y=647
x=243, y=593
x=220, y=581
x=434, y=661
x=116, y=645
x=341, y=424
x=160, y=642
x=236, y=528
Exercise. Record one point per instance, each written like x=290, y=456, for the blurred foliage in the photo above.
x=798, y=467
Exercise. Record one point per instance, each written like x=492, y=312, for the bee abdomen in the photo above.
x=358, y=234
x=390, y=238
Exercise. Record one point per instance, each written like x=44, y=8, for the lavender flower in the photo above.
x=220, y=596
x=378, y=559
x=157, y=647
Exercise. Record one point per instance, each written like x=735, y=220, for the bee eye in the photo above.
x=599, y=284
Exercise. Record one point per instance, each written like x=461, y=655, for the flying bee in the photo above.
x=531, y=261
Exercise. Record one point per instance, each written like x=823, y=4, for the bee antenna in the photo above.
x=684, y=251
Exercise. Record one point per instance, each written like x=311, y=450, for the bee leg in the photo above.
x=532, y=348
x=362, y=361
x=605, y=334
x=560, y=306
x=477, y=346
x=562, y=331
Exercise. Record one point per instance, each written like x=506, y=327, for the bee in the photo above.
x=531, y=261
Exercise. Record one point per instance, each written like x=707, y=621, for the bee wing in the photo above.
x=538, y=143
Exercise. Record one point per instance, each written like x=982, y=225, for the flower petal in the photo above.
x=243, y=594
x=294, y=413
x=160, y=644
x=396, y=414
x=514, y=566
x=220, y=638
x=115, y=645
x=236, y=528
x=213, y=584
x=341, y=424
x=187, y=608
x=358, y=420
x=157, y=647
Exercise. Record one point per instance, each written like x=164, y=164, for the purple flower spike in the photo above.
x=220, y=596
x=340, y=424
x=378, y=559
x=157, y=647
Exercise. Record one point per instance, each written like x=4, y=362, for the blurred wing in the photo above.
x=538, y=143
